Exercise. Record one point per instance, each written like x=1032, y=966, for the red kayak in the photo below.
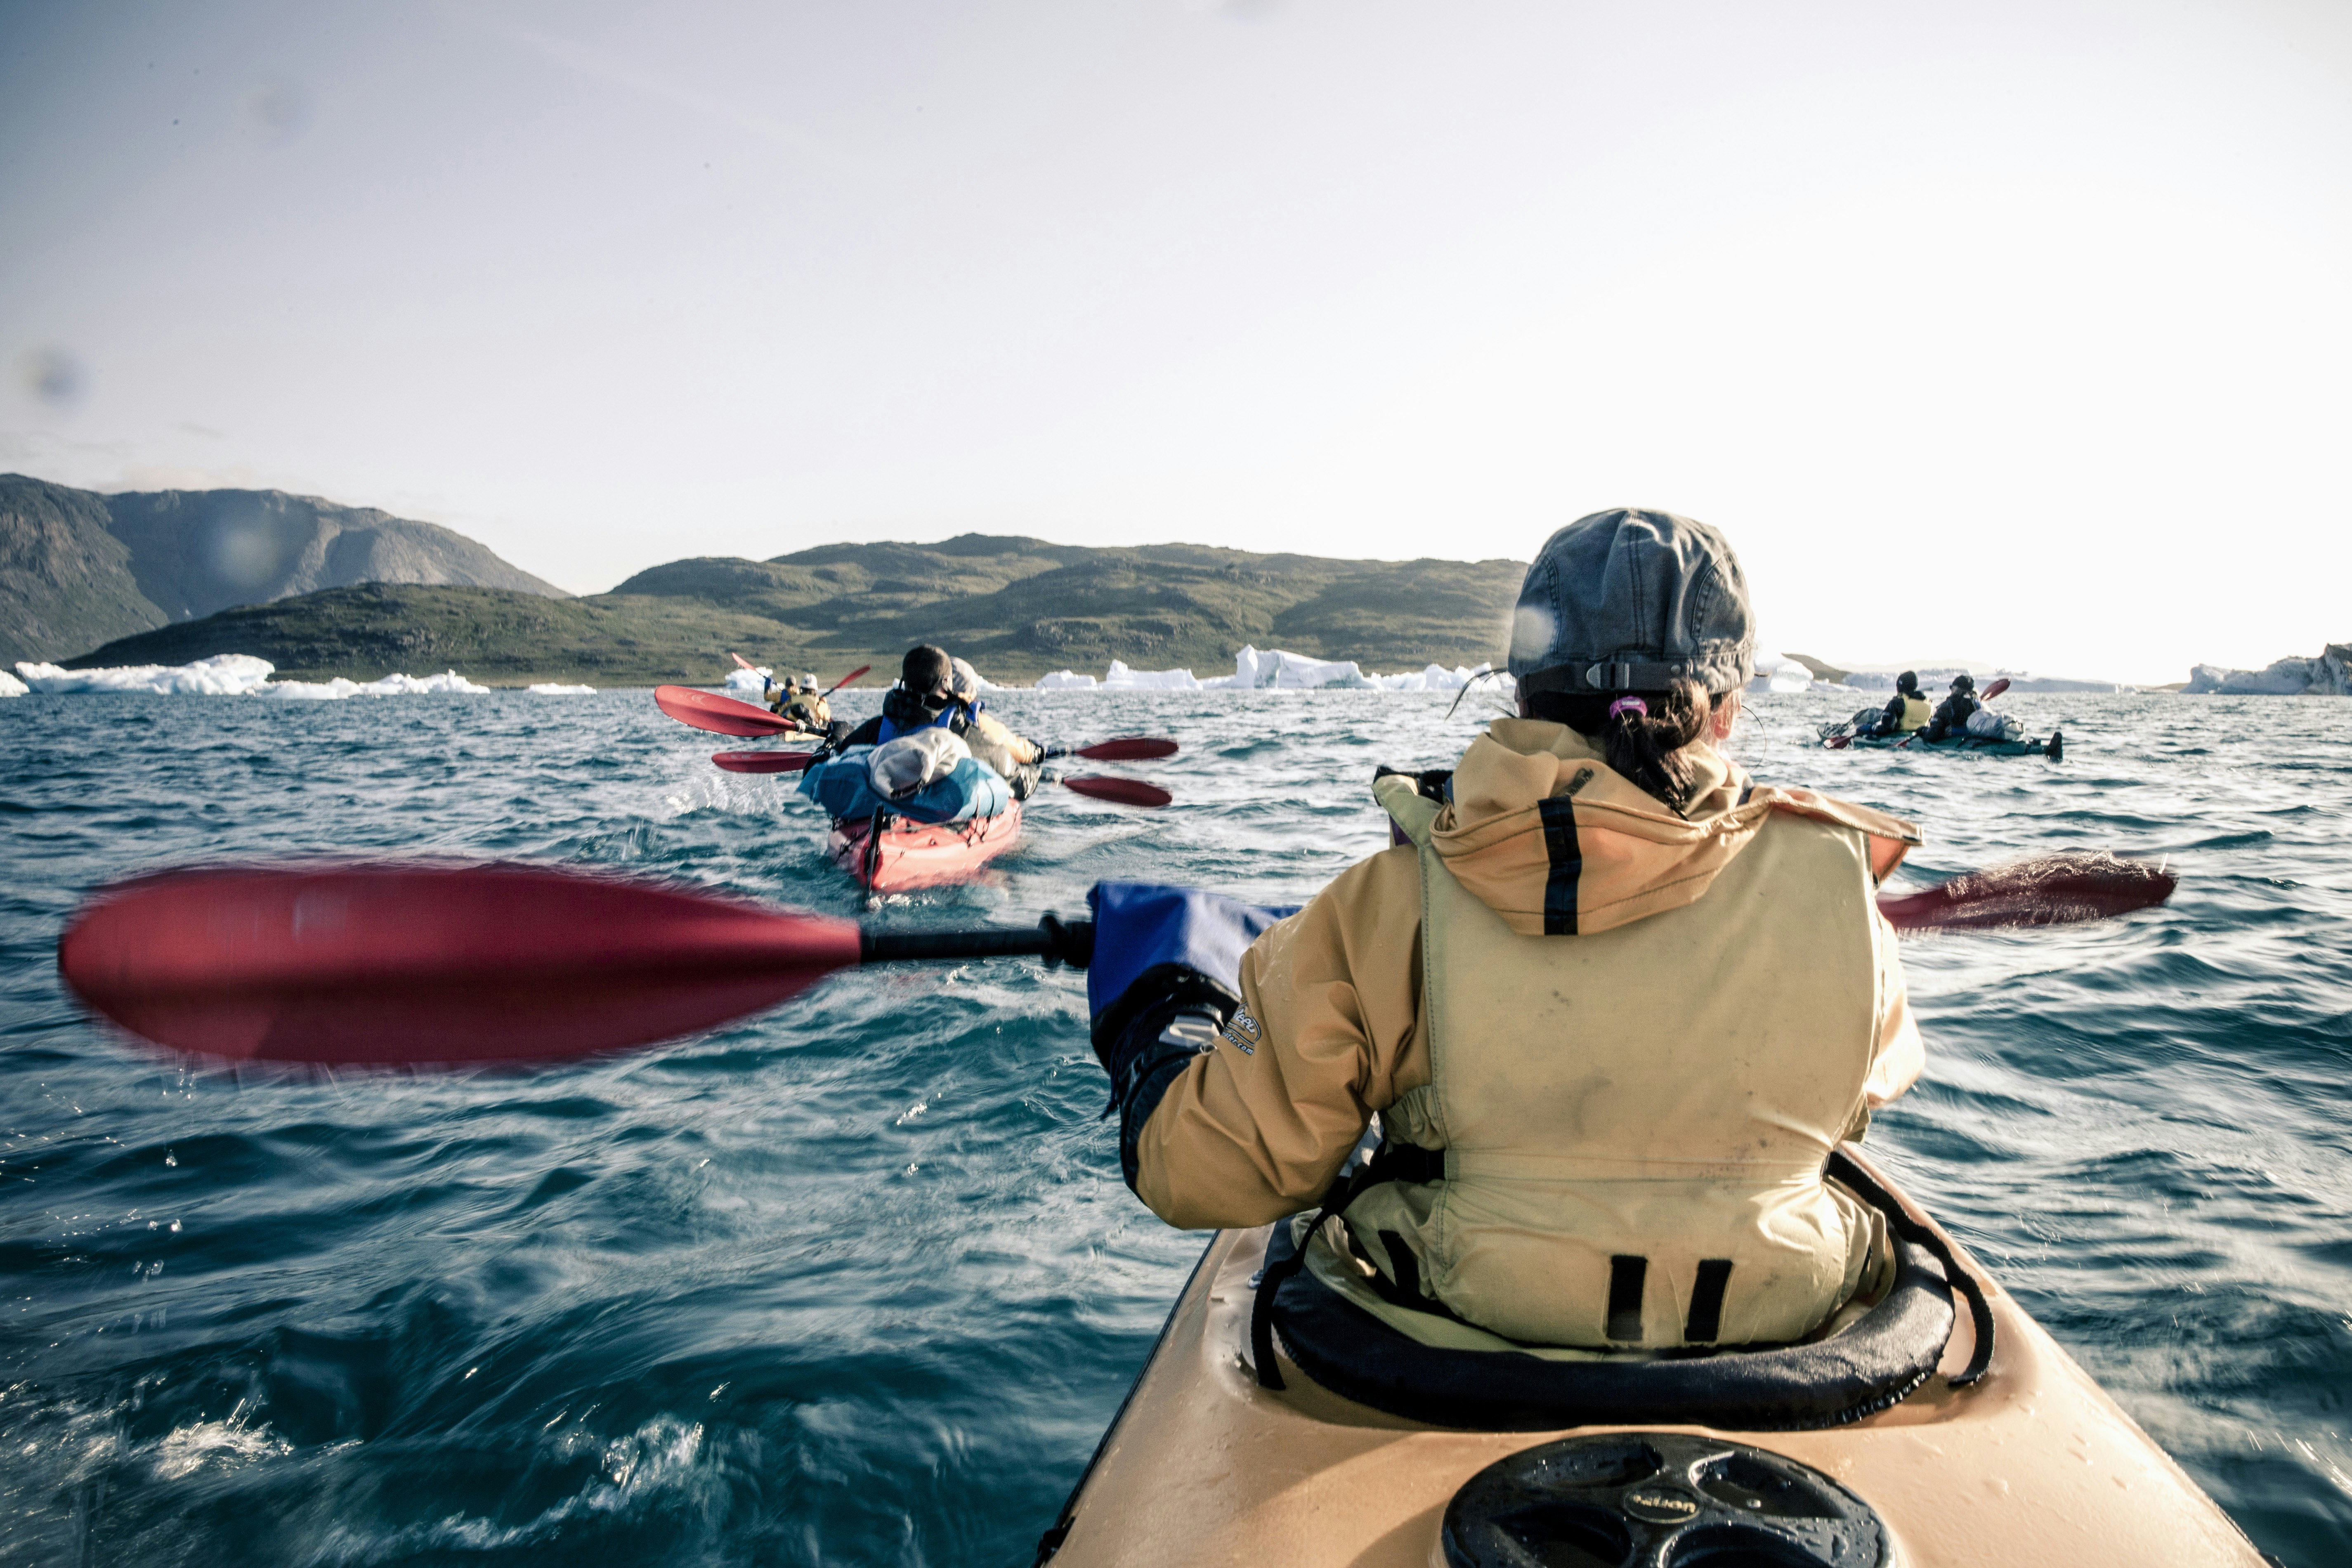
x=920, y=854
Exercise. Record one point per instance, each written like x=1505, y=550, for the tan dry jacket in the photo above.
x=1637, y=1039
x=995, y=744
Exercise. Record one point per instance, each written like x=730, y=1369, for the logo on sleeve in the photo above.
x=1243, y=1032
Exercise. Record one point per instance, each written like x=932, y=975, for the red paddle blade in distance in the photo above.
x=720, y=715
x=1131, y=749
x=419, y=964
x=1126, y=792
x=1995, y=690
x=764, y=762
x=2055, y=890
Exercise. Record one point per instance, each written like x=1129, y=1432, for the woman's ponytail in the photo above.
x=1642, y=733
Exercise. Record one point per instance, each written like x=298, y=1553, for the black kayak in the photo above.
x=1854, y=732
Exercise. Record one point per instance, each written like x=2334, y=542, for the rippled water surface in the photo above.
x=857, y=1281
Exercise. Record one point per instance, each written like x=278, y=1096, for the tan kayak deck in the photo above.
x=2034, y=1464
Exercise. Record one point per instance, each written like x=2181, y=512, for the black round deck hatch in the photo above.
x=1658, y=1499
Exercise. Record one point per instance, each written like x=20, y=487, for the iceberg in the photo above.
x=1121, y=679
x=338, y=689
x=1776, y=673
x=746, y=684
x=557, y=688
x=1281, y=670
x=1435, y=678
x=2329, y=675
x=227, y=675
x=1066, y=680
x=12, y=687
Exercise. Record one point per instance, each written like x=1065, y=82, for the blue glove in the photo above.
x=1166, y=975
x=1154, y=942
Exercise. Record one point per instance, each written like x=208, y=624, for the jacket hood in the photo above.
x=1537, y=815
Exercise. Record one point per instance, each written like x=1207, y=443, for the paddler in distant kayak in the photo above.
x=1907, y=711
x=1613, y=1004
x=1953, y=714
x=934, y=690
x=801, y=701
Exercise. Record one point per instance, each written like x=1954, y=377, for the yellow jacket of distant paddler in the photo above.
x=1635, y=1039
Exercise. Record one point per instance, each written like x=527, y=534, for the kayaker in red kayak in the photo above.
x=1614, y=1004
x=935, y=689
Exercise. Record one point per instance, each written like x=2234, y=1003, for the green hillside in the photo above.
x=1015, y=607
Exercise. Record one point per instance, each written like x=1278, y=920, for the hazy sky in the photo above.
x=2017, y=331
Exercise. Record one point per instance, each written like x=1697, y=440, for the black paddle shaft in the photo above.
x=1051, y=938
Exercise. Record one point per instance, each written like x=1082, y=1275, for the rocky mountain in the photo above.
x=1016, y=607
x=79, y=568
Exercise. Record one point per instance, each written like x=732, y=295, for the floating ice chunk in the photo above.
x=12, y=687
x=557, y=688
x=411, y=686
x=333, y=690
x=748, y=685
x=1066, y=680
x=1433, y=677
x=223, y=675
x=1121, y=679
x=2329, y=675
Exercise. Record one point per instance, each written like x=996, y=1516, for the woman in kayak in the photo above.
x=1907, y=711
x=1613, y=1004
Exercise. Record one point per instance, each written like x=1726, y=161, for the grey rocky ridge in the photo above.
x=79, y=569
x=2329, y=675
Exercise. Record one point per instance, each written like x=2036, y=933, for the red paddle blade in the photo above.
x=1838, y=743
x=414, y=965
x=742, y=663
x=720, y=715
x=1128, y=749
x=1995, y=690
x=2054, y=889
x=845, y=680
x=764, y=762
x=1126, y=792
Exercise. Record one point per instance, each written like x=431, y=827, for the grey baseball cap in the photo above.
x=1632, y=601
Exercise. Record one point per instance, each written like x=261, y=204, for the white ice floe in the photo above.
x=12, y=687
x=223, y=675
x=228, y=675
x=1775, y=672
x=1276, y=669
x=748, y=684
x=557, y=688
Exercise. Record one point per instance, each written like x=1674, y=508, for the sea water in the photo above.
x=856, y=1281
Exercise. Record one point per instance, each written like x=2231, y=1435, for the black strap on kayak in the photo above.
x=874, y=845
x=1845, y=1170
x=1389, y=1162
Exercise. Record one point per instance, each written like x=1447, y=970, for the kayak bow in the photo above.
x=2034, y=1464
